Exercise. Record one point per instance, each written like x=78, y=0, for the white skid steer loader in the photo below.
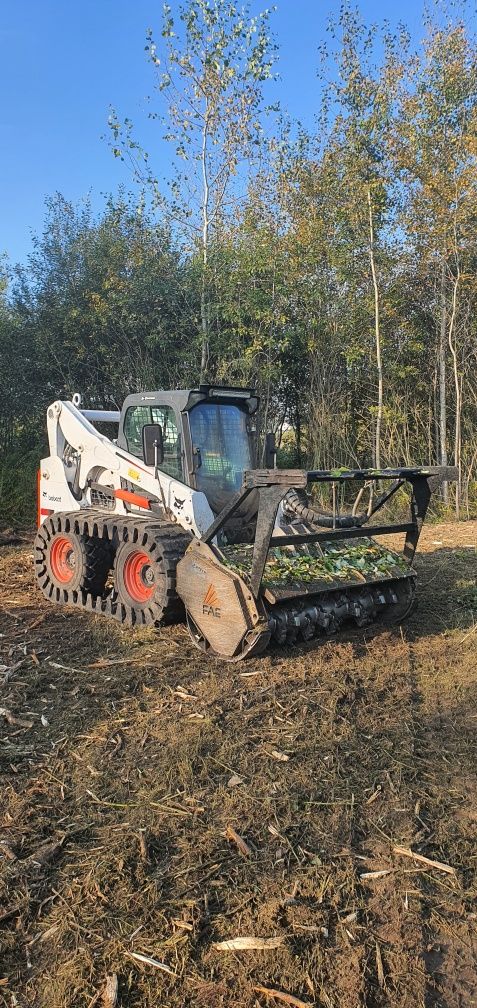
x=171, y=519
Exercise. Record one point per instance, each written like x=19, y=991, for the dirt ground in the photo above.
x=128, y=761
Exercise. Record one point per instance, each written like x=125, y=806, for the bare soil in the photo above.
x=127, y=761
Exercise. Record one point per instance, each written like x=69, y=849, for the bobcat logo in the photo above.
x=211, y=603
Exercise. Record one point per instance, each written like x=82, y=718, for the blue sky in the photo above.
x=63, y=62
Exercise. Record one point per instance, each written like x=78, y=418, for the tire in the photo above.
x=145, y=574
x=73, y=562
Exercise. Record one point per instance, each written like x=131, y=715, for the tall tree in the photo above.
x=365, y=92
x=210, y=67
x=342, y=207
x=436, y=154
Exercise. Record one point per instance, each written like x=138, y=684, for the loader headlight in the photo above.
x=248, y=399
x=229, y=393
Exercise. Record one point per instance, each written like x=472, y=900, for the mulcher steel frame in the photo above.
x=272, y=486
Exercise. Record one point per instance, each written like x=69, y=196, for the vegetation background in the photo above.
x=334, y=270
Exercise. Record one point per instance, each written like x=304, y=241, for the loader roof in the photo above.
x=185, y=399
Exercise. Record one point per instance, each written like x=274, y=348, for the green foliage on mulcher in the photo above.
x=352, y=562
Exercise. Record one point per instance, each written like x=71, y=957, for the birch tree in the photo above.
x=350, y=180
x=436, y=153
x=210, y=68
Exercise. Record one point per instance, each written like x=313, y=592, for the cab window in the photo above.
x=135, y=419
x=220, y=432
x=134, y=422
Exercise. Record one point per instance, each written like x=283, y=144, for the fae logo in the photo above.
x=211, y=603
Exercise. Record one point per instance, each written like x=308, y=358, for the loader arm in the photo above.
x=80, y=455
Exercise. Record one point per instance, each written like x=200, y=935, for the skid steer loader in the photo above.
x=169, y=518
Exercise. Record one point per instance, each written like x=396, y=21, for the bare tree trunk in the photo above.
x=265, y=411
x=262, y=423
x=377, y=336
x=204, y=305
x=458, y=397
x=298, y=431
x=432, y=420
x=442, y=422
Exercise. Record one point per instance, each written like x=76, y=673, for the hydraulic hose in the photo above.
x=297, y=501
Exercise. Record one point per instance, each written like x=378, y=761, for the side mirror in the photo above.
x=152, y=444
x=270, y=451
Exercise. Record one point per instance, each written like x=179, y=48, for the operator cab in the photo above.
x=207, y=436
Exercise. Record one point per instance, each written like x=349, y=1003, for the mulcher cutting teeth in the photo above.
x=325, y=614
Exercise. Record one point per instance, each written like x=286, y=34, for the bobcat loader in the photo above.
x=169, y=518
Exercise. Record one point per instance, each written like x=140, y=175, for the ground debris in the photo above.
x=379, y=967
x=280, y=756
x=150, y=961
x=12, y=720
x=8, y=852
x=250, y=942
x=379, y=725
x=407, y=852
x=44, y=854
x=8, y=537
x=143, y=845
x=109, y=995
x=235, y=837
x=66, y=668
x=279, y=995
x=234, y=781
x=370, y=875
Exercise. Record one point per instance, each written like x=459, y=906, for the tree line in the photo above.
x=333, y=269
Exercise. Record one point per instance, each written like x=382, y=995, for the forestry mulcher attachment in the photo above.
x=170, y=518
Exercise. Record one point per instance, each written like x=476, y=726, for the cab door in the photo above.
x=137, y=416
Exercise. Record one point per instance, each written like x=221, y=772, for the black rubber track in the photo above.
x=99, y=558
x=165, y=546
x=167, y=540
x=92, y=561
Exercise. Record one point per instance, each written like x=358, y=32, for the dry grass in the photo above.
x=122, y=802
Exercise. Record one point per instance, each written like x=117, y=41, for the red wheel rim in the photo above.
x=62, y=559
x=138, y=576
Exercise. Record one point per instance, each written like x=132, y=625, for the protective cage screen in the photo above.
x=220, y=432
